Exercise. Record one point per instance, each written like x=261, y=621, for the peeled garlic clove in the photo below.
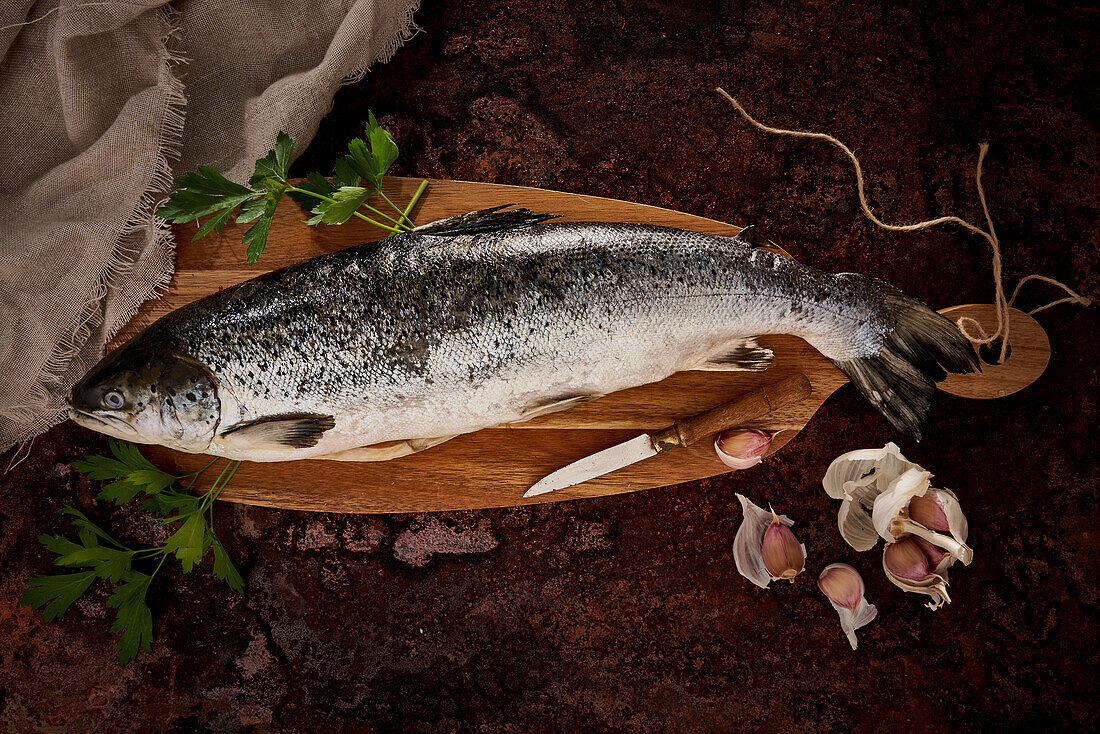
x=893, y=520
x=740, y=448
x=907, y=568
x=784, y=557
x=749, y=544
x=843, y=587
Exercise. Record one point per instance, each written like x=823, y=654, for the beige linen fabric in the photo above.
x=101, y=103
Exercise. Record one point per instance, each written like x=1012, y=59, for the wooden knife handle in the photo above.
x=745, y=408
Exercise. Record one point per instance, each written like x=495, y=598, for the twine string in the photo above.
x=1001, y=304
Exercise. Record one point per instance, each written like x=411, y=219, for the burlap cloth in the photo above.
x=101, y=103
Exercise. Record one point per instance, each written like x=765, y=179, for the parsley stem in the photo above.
x=397, y=222
x=412, y=202
x=196, y=474
x=214, y=496
x=395, y=206
x=330, y=199
x=149, y=581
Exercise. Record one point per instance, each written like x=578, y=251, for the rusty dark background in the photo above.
x=626, y=613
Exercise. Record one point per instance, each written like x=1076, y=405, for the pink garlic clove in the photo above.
x=906, y=560
x=926, y=510
x=783, y=555
x=842, y=584
x=843, y=587
x=741, y=448
x=909, y=569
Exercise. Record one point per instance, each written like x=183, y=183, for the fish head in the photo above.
x=146, y=396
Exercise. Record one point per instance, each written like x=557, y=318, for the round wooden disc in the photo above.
x=1029, y=355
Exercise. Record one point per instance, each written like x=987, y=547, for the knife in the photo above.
x=682, y=433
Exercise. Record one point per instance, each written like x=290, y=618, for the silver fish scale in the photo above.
x=425, y=335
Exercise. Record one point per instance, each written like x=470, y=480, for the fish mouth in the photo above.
x=103, y=423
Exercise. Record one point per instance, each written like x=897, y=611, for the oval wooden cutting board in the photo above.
x=493, y=467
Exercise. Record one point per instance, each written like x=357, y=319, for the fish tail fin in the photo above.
x=923, y=347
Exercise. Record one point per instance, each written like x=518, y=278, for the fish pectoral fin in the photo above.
x=553, y=406
x=386, y=450
x=742, y=355
x=296, y=431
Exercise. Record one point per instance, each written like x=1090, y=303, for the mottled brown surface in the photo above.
x=626, y=614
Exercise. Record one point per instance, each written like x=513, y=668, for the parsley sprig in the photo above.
x=332, y=200
x=105, y=558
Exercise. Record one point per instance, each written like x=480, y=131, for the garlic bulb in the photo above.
x=893, y=519
x=764, y=548
x=858, y=478
x=843, y=587
x=886, y=495
x=740, y=448
x=909, y=568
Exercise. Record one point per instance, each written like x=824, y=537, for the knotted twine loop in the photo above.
x=1001, y=304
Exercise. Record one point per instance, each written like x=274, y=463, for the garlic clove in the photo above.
x=893, y=521
x=748, y=545
x=908, y=568
x=928, y=512
x=889, y=509
x=843, y=587
x=906, y=561
x=939, y=560
x=740, y=448
x=956, y=520
x=784, y=557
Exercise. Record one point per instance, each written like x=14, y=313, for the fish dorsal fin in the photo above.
x=292, y=431
x=484, y=220
x=754, y=236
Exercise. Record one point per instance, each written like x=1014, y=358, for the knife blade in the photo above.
x=682, y=433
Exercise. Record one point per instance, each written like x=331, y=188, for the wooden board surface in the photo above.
x=491, y=468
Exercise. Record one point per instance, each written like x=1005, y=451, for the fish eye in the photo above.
x=113, y=400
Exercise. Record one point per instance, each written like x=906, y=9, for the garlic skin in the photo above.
x=908, y=568
x=858, y=478
x=843, y=587
x=765, y=540
x=893, y=520
x=741, y=448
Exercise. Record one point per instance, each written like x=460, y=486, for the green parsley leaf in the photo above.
x=200, y=193
x=172, y=500
x=276, y=164
x=100, y=467
x=134, y=619
x=223, y=565
x=57, y=592
x=88, y=529
x=256, y=236
x=130, y=455
x=344, y=175
x=106, y=563
x=57, y=544
x=373, y=163
x=133, y=472
x=348, y=199
x=318, y=184
x=187, y=542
